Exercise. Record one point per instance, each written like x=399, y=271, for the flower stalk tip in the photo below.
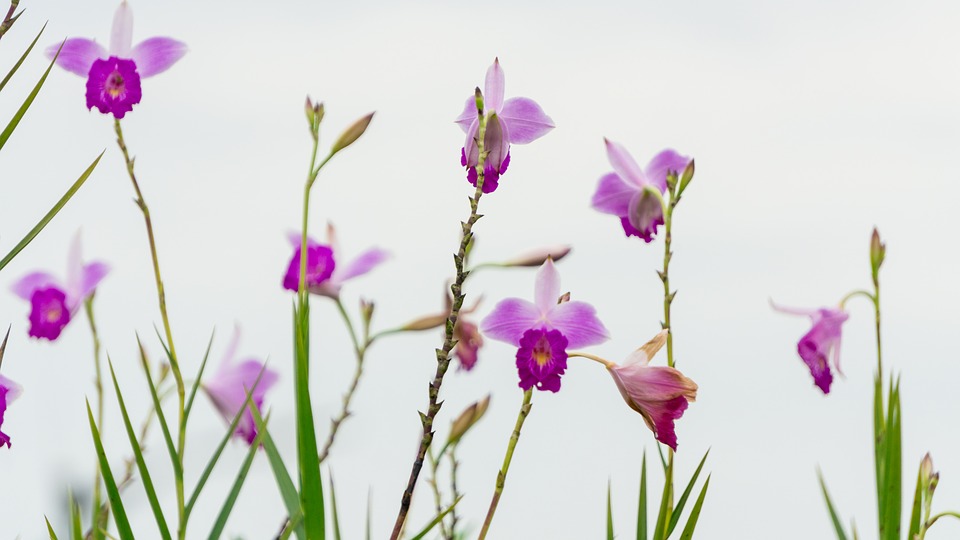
x=351, y=134
x=467, y=419
x=878, y=252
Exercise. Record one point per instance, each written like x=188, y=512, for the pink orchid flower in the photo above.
x=9, y=391
x=324, y=275
x=820, y=346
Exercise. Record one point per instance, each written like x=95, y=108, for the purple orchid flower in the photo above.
x=324, y=276
x=229, y=386
x=542, y=330
x=53, y=304
x=113, y=76
x=517, y=120
x=660, y=394
x=821, y=342
x=9, y=391
x=633, y=194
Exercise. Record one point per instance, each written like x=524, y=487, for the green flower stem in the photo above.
x=876, y=311
x=502, y=475
x=669, y=205
x=929, y=523
x=174, y=363
x=98, y=386
x=437, y=496
x=455, y=491
x=443, y=354
x=9, y=19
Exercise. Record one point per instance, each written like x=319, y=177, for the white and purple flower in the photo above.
x=53, y=303
x=820, y=346
x=633, y=194
x=324, y=276
x=9, y=391
x=113, y=76
x=517, y=120
x=542, y=330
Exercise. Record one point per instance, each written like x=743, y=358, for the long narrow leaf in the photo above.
x=161, y=419
x=76, y=527
x=288, y=491
x=609, y=514
x=22, y=58
x=691, y=525
x=893, y=470
x=336, y=514
x=917, y=505
x=311, y=487
x=138, y=456
x=879, y=452
x=224, y=514
x=837, y=526
x=423, y=532
x=50, y=215
x=369, y=517
x=12, y=125
x=663, y=516
x=675, y=517
x=119, y=514
x=53, y=535
x=642, y=507
x=196, y=383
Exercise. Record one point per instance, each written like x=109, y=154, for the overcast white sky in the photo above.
x=810, y=123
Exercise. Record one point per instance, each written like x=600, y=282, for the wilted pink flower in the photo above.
x=469, y=342
x=9, y=391
x=324, y=275
x=542, y=330
x=821, y=342
x=659, y=393
x=633, y=194
x=53, y=303
x=113, y=76
x=229, y=386
x=514, y=121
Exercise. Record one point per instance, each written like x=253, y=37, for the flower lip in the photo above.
x=9, y=392
x=113, y=86
x=541, y=359
x=324, y=276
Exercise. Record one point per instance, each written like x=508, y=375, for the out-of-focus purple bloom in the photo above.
x=53, y=303
x=543, y=329
x=660, y=394
x=633, y=194
x=517, y=120
x=469, y=342
x=9, y=391
x=324, y=275
x=113, y=75
x=820, y=346
x=229, y=386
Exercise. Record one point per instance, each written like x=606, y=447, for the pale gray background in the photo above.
x=810, y=124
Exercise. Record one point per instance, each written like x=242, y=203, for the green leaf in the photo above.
x=609, y=513
x=878, y=440
x=423, y=532
x=336, y=516
x=76, y=526
x=917, y=504
x=161, y=419
x=642, y=509
x=53, y=535
x=138, y=456
x=12, y=125
x=308, y=459
x=288, y=491
x=221, y=521
x=50, y=215
x=369, y=516
x=675, y=517
x=119, y=514
x=837, y=526
x=893, y=472
x=687, y=533
x=22, y=58
x=196, y=383
x=666, y=498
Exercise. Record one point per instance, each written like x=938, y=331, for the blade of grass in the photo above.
x=308, y=459
x=196, y=383
x=22, y=58
x=53, y=535
x=879, y=438
x=76, y=527
x=642, y=507
x=50, y=215
x=336, y=516
x=660, y=529
x=217, y=531
x=138, y=456
x=687, y=533
x=917, y=506
x=837, y=526
x=288, y=491
x=893, y=468
x=12, y=125
x=675, y=517
x=423, y=532
x=119, y=514
x=161, y=419
x=609, y=513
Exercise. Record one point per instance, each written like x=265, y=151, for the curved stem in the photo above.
x=854, y=294
x=360, y=351
x=577, y=354
x=98, y=386
x=934, y=519
x=502, y=475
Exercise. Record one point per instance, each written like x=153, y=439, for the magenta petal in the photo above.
x=25, y=286
x=92, y=274
x=469, y=114
x=821, y=343
x=77, y=55
x=493, y=88
x=157, y=54
x=365, y=262
x=660, y=394
x=546, y=288
x=665, y=161
x=9, y=391
x=579, y=323
x=509, y=319
x=228, y=391
x=541, y=359
x=49, y=313
x=645, y=213
x=113, y=86
x=471, y=151
x=613, y=195
x=624, y=164
x=526, y=120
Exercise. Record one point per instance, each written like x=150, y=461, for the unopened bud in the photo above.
x=351, y=134
x=478, y=96
x=537, y=257
x=565, y=297
x=687, y=176
x=878, y=252
x=425, y=323
x=366, y=309
x=470, y=416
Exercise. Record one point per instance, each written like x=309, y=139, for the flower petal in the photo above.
x=493, y=88
x=157, y=54
x=546, y=291
x=25, y=286
x=362, y=264
x=526, y=120
x=77, y=55
x=793, y=311
x=667, y=160
x=13, y=389
x=613, y=195
x=469, y=114
x=471, y=152
x=646, y=211
x=660, y=394
x=643, y=355
x=121, y=35
x=91, y=276
x=624, y=164
x=579, y=323
x=496, y=142
x=509, y=319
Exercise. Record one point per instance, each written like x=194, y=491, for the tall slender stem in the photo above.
x=360, y=351
x=437, y=496
x=668, y=295
x=454, y=490
x=502, y=475
x=174, y=363
x=443, y=354
x=98, y=386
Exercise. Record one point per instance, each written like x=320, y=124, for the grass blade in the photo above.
x=50, y=215
x=663, y=516
x=196, y=383
x=893, y=505
x=879, y=438
x=161, y=419
x=138, y=456
x=837, y=526
x=119, y=514
x=675, y=517
x=336, y=516
x=22, y=58
x=76, y=527
x=53, y=535
x=423, y=532
x=288, y=491
x=917, y=504
x=221, y=521
x=12, y=125
x=308, y=459
x=642, y=507
x=687, y=533
x=609, y=513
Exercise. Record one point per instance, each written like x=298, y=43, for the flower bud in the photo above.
x=470, y=416
x=425, y=323
x=537, y=257
x=565, y=297
x=687, y=176
x=351, y=134
x=366, y=309
x=878, y=252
